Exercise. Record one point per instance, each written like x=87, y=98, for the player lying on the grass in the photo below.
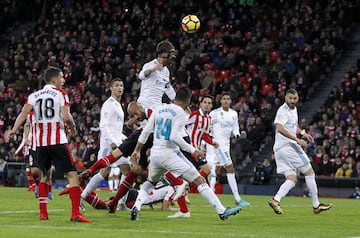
x=162, y=192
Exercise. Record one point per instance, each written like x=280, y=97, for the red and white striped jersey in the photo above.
x=199, y=128
x=32, y=131
x=49, y=123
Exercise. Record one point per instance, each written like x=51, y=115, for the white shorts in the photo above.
x=210, y=155
x=173, y=161
x=114, y=172
x=122, y=160
x=290, y=158
x=222, y=157
x=159, y=194
x=104, y=151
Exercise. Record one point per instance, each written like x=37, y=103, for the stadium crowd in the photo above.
x=251, y=49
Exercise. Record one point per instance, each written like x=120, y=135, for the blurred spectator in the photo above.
x=319, y=151
x=3, y=172
x=344, y=171
x=356, y=170
x=356, y=194
x=21, y=84
x=259, y=174
x=326, y=167
x=272, y=47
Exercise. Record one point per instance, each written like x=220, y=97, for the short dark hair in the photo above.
x=207, y=96
x=291, y=91
x=164, y=47
x=50, y=73
x=115, y=80
x=225, y=94
x=183, y=94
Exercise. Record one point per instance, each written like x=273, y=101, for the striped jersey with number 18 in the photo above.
x=49, y=123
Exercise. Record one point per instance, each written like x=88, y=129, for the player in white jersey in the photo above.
x=225, y=123
x=137, y=113
x=198, y=127
x=155, y=77
x=168, y=123
x=290, y=156
x=155, y=81
x=162, y=192
x=52, y=116
x=111, y=127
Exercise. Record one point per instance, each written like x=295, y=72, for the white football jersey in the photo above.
x=289, y=119
x=154, y=86
x=47, y=103
x=111, y=123
x=224, y=123
x=168, y=124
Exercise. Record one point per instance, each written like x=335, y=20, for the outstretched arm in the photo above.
x=20, y=119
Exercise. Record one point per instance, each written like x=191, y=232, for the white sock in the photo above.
x=233, y=185
x=93, y=183
x=284, y=189
x=211, y=197
x=143, y=194
x=122, y=178
x=111, y=184
x=116, y=184
x=122, y=200
x=312, y=186
x=212, y=181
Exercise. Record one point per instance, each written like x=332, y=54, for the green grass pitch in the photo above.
x=19, y=218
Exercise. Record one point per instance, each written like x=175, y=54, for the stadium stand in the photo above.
x=255, y=51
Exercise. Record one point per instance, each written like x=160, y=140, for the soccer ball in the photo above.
x=190, y=24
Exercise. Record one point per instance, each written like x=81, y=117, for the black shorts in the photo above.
x=128, y=146
x=195, y=161
x=58, y=155
x=31, y=159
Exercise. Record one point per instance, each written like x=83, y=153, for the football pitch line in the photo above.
x=61, y=210
x=30, y=211
x=139, y=231
x=79, y=228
